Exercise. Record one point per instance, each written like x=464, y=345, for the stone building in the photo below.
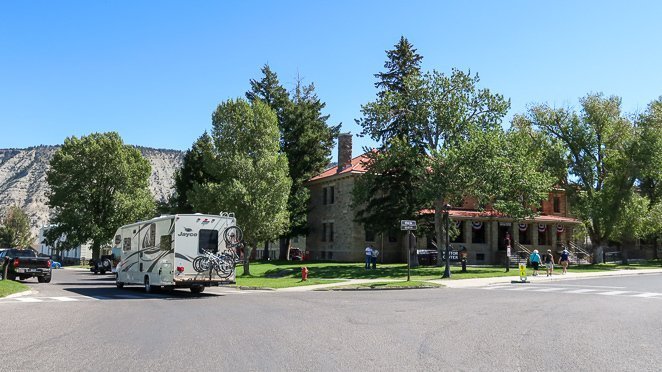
x=334, y=235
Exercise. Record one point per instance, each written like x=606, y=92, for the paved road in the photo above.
x=548, y=326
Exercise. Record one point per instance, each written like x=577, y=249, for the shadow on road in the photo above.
x=137, y=293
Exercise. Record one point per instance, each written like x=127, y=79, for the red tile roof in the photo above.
x=464, y=214
x=357, y=165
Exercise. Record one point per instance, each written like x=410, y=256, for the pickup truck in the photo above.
x=24, y=264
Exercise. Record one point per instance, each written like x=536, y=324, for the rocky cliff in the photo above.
x=23, y=178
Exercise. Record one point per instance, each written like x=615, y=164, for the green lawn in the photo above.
x=280, y=274
x=8, y=287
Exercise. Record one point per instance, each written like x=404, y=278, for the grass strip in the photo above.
x=8, y=287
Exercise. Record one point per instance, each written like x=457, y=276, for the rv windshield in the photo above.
x=208, y=240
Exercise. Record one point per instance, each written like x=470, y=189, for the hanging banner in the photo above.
x=523, y=226
x=542, y=227
x=560, y=229
x=477, y=225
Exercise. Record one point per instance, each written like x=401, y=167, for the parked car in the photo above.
x=24, y=264
x=101, y=265
x=296, y=254
x=56, y=265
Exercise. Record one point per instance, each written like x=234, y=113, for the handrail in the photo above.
x=521, y=248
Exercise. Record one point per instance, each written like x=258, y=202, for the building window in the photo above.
x=542, y=236
x=323, y=255
x=324, y=232
x=369, y=236
x=557, y=204
x=330, y=255
x=480, y=256
x=478, y=232
x=332, y=194
x=330, y=232
x=459, y=225
x=324, y=192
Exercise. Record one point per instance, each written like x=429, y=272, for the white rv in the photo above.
x=161, y=252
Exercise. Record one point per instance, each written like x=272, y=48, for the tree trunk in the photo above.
x=284, y=248
x=96, y=250
x=247, y=254
x=265, y=254
x=655, y=254
x=439, y=230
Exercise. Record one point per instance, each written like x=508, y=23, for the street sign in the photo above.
x=407, y=225
x=522, y=271
x=454, y=255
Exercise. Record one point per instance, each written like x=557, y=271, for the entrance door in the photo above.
x=502, y=237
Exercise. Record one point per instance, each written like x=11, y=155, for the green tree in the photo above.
x=649, y=157
x=307, y=141
x=191, y=172
x=389, y=191
x=600, y=155
x=15, y=231
x=270, y=91
x=305, y=138
x=97, y=184
x=472, y=157
x=249, y=172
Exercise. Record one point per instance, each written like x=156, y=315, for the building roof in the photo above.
x=459, y=214
x=357, y=165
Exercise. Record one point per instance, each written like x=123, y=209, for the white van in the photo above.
x=161, y=252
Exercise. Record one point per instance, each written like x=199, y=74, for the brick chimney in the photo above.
x=344, y=150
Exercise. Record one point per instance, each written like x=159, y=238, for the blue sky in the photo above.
x=155, y=70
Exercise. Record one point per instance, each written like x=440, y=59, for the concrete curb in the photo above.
x=375, y=288
x=21, y=294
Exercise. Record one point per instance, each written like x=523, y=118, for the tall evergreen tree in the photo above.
x=191, y=172
x=390, y=191
x=307, y=141
x=305, y=137
x=400, y=107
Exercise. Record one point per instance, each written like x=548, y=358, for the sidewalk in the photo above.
x=481, y=282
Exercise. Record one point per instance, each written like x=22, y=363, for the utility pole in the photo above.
x=447, y=269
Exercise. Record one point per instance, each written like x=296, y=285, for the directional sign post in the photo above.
x=407, y=225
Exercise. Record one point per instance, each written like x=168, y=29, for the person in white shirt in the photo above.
x=368, y=256
x=375, y=253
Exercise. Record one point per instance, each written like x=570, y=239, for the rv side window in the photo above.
x=127, y=244
x=166, y=242
x=208, y=241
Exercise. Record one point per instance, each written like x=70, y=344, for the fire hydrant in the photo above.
x=304, y=273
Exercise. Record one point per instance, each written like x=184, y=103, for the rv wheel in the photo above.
x=148, y=287
x=197, y=289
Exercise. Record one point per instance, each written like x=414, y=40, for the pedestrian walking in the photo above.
x=564, y=260
x=549, y=262
x=368, y=256
x=535, y=261
x=375, y=254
